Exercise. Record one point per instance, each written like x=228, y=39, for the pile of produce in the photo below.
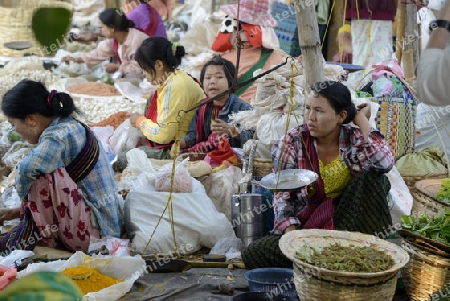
x=350, y=258
x=114, y=120
x=90, y=280
x=444, y=193
x=94, y=89
x=435, y=228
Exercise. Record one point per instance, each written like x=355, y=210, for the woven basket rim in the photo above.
x=400, y=256
x=427, y=174
x=419, y=254
x=43, y=3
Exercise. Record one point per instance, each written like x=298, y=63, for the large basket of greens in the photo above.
x=431, y=196
x=427, y=241
x=341, y=265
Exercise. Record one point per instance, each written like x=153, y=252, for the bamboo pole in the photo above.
x=411, y=42
x=308, y=35
x=400, y=30
x=337, y=20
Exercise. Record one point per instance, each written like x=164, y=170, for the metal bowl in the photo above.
x=289, y=179
x=18, y=45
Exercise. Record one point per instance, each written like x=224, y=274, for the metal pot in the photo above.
x=247, y=219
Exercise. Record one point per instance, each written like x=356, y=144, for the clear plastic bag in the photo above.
x=125, y=137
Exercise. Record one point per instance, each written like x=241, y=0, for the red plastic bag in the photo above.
x=223, y=154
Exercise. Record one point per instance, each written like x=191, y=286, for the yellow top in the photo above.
x=178, y=93
x=336, y=176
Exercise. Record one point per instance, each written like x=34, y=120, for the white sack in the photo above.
x=197, y=221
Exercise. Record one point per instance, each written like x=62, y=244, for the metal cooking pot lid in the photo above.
x=18, y=45
x=288, y=179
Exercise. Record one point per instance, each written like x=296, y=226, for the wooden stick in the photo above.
x=400, y=19
x=308, y=35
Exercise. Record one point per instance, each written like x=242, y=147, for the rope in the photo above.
x=328, y=23
x=169, y=206
x=238, y=44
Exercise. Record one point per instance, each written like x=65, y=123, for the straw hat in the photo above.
x=256, y=12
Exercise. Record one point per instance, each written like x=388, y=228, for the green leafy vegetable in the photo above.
x=437, y=228
x=363, y=94
x=107, y=79
x=348, y=258
x=13, y=136
x=444, y=193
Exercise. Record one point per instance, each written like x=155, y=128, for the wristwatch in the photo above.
x=439, y=24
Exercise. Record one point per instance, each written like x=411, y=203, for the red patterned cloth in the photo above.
x=60, y=213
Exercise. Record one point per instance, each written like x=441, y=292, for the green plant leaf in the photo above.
x=50, y=27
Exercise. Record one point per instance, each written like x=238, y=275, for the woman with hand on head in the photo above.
x=165, y=118
x=351, y=162
x=211, y=121
x=66, y=182
x=122, y=42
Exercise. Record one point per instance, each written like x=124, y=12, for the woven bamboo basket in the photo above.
x=425, y=273
x=318, y=284
x=425, y=202
x=396, y=118
x=15, y=25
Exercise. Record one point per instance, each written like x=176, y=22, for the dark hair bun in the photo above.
x=179, y=51
x=351, y=113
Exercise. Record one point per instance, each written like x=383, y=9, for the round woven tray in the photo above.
x=425, y=273
x=425, y=202
x=262, y=167
x=314, y=283
x=411, y=178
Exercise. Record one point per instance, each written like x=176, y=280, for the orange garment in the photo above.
x=164, y=8
x=249, y=57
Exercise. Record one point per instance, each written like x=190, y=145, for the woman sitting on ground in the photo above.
x=66, y=182
x=122, y=42
x=165, y=118
x=351, y=191
x=145, y=17
x=210, y=122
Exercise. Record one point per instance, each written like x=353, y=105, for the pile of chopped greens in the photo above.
x=349, y=259
x=363, y=94
x=436, y=228
x=444, y=193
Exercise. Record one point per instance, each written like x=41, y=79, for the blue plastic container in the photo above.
x=275, y=281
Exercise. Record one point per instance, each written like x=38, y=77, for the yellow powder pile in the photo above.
x=94, y=89
x=89, y=280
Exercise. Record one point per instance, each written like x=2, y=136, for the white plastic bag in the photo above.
x=125, y=137
x=220, y=186
x=103, y=133
x=228, y=246
x=182, y=181
x=402, y=198
x=15, y=258
x=128, y=269
x=130, y=91
x=197, y=221
x=139, y=171
x=117, y=247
